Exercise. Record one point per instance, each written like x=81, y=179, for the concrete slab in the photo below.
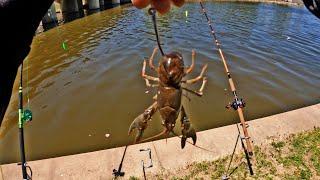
x=167, y=154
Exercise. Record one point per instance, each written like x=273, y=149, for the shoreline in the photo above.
x=168, y=156
x=60, y=20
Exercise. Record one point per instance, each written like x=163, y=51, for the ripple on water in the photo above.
x=94, y=87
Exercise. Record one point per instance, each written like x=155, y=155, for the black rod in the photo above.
x=118, y=172
x=22, y=154
x=21, y=134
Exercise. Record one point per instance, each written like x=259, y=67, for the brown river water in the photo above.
x=94, y=87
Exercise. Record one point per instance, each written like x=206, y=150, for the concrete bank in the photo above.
x=167, y=155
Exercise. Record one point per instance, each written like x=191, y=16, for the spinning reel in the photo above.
x=27, y=116
x=237, y=103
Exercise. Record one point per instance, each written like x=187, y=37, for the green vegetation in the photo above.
x=133, y=178
x=296, y=157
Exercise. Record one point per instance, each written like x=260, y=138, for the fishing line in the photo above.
x=64, y=45
x=192, y=143
x=28, y=99
x=152, y=12
x=156, y=152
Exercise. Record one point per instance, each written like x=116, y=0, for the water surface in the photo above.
x=94, y=87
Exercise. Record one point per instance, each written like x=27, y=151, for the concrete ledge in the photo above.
x=167, y=155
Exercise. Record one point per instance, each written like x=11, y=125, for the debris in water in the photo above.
x=288, y=38
x=147, y=92
x=64, y=45
x=186, y=16
x=89, y=135
x=107, y=135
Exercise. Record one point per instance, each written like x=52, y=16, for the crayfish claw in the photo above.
x=183, y=142
x=187, y=130
x=138, y=136
x=188, y=133
x=140, y=123
x=193, y=136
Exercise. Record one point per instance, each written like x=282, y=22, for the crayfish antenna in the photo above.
x=156, y=136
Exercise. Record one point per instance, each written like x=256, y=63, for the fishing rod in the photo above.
x=24, y=116
x=118, y=172
x=238, y=104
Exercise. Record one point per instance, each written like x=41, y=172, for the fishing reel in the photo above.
x=29, y=175
x=27, y=116
x=237, y=103
x=117, y=173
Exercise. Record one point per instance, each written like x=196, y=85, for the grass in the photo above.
x=296, y=157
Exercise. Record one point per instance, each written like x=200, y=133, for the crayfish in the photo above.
x=171, y=71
